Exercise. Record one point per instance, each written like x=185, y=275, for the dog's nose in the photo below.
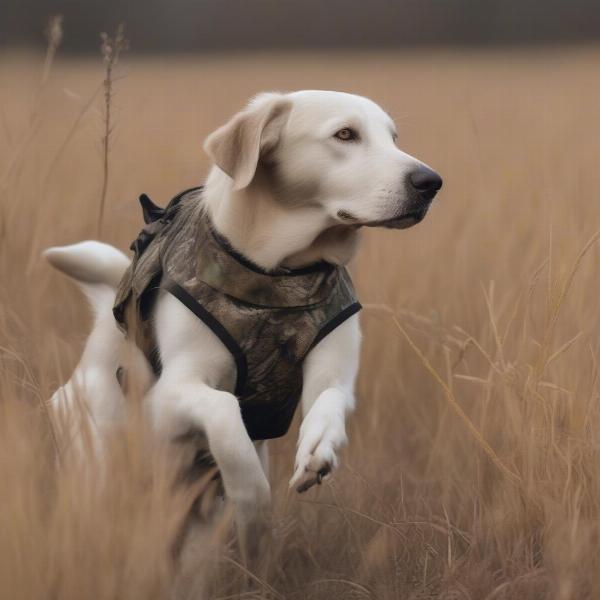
x=426, y=181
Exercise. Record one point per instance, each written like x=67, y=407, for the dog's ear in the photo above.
x=237, y=146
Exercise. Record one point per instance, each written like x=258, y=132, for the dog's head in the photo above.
x=332, y=151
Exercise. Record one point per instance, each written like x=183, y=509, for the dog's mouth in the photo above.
x=403, y=221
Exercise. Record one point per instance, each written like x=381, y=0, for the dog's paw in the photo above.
x=305, y=478
x=321, y=437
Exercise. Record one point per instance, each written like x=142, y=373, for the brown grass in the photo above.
x=472, y=470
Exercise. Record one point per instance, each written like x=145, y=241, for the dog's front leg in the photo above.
x=327, y=397
x=179, y=405
x=185, y=399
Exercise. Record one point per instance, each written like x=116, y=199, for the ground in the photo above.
x=472, y=467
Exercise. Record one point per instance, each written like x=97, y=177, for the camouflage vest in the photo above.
x=269, y=321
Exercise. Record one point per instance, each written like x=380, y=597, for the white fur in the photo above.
x=93, y=388
x=277, y=196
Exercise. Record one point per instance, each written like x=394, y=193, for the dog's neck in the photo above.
x=272, y=235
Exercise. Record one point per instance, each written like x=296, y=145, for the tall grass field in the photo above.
x=473, y=467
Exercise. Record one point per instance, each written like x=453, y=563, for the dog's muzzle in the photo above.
x=421, y=185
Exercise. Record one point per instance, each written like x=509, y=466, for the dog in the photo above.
x=296, y=176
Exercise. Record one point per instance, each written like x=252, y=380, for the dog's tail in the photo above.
x=93, y=266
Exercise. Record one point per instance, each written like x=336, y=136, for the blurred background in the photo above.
x=472, y=467
x=225, y=25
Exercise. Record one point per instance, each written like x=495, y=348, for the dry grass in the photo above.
x=472, y=470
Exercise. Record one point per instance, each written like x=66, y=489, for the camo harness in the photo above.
x=268, y=320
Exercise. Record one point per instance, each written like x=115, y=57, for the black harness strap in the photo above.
x=215, y=326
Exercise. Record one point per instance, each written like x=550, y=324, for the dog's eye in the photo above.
x=347, y=134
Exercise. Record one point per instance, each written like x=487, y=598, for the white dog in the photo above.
x=295, y=176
